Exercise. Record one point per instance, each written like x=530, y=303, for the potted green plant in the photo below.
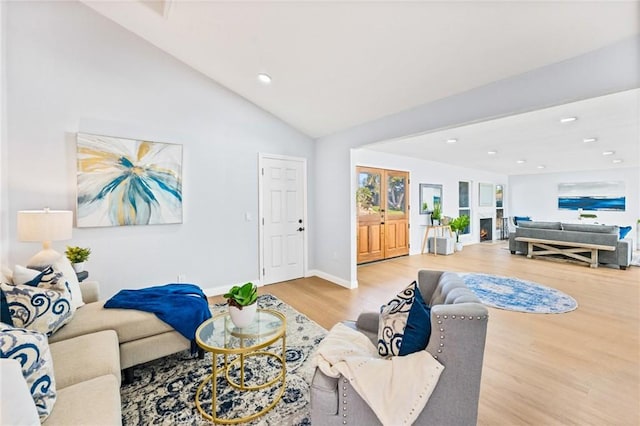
x=77, y=256
x=436, y=215
x=458, y=225
x=242, y=301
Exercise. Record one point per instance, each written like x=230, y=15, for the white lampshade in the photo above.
x=45, y=225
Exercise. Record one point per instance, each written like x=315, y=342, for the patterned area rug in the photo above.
x=514, y=294
x=163, y=392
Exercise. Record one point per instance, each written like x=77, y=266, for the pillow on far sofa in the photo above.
x=31, y=349
x=624, y=230
x=518, y=219
x=404, y=318
x=45, y=308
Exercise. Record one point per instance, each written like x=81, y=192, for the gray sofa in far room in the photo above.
x=572, y=241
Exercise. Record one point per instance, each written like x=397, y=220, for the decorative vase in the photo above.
x=78, y=267
x=241, y=318
x=459, y=246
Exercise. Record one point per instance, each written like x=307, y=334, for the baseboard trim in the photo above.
x=217, y=291
x=336, y=280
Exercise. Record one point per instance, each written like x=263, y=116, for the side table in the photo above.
x=438, y=230
x=238, y=346
x=82, y=275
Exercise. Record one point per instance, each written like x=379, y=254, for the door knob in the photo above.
x=300, y=229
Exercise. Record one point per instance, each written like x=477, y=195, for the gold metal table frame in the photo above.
x=232, y=341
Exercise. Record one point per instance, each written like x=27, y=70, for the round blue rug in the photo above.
x=514, y=294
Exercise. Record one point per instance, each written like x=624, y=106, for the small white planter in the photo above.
x=241, y=318
x=78, y=267
x=459, y=246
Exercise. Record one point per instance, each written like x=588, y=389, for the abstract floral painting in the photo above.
x=128, y=182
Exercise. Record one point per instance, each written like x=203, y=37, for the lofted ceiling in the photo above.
x=335, y=65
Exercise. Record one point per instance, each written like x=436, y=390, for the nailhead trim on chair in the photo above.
x=462, y=317
x=344, y=402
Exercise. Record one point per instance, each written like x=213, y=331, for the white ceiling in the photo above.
x=539, y=138
x=339, y=64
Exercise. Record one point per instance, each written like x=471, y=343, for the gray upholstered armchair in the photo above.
x=459, y=327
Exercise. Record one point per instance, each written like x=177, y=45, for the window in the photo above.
x=501, y=225
x=464, y=203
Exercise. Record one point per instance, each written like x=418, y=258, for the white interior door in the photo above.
x=283, y=218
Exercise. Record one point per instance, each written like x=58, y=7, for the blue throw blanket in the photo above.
x=183, y=306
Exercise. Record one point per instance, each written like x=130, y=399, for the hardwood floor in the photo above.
x=581, y=367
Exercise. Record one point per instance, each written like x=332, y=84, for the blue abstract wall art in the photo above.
x=592, y=196
x=128, y=182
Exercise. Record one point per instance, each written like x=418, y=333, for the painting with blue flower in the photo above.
x=128, y=182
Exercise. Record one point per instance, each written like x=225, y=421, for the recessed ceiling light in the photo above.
x=521, y=161
x=616, y=161
x=542, y=167
x=492, y=152
x=452, y=140
x=587, y=140
x=264, y=78
x=608, y=152
x=568, y=119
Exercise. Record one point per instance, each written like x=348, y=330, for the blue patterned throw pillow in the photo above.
x=44, y=308
x=393, y=319
x=31, y=349
x=405, y=324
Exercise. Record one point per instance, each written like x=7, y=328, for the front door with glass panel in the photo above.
x=382, y=201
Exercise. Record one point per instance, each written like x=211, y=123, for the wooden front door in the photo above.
x=383, y=216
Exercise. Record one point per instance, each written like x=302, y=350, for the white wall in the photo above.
x=4, y=200
x=611, y=69
x=537, y=196
x=69, y=69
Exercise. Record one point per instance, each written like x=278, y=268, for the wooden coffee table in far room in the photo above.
x=219, y=336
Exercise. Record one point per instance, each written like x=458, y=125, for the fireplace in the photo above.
x=486, y=229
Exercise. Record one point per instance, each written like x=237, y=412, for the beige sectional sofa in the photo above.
x=89, y=353
x=87, y=374
x=141, y=335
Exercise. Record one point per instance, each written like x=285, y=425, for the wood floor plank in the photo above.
x=577, y=368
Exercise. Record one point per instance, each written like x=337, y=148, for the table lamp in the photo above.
x=46, y=226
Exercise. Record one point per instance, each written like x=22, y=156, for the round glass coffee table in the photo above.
x=219, y=336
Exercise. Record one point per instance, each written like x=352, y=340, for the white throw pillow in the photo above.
x=63, y=265
x=31, y=349
x=7, y=275
x=22, y=275
x=18, y=408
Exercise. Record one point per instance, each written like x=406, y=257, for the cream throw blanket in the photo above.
x=396, y=389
